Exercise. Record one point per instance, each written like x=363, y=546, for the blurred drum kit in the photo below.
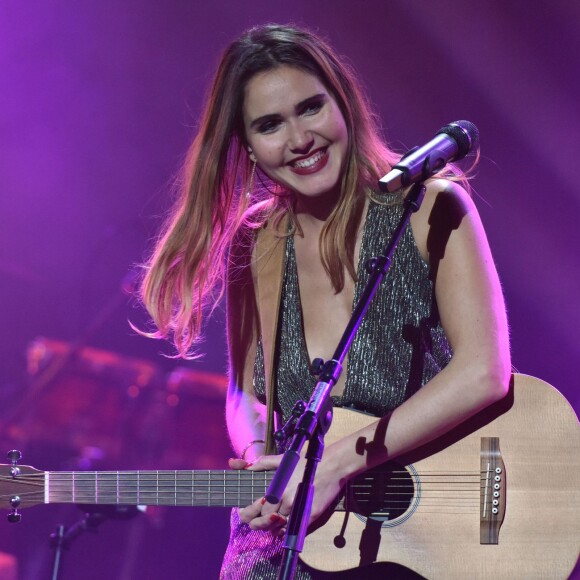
x=87, y=408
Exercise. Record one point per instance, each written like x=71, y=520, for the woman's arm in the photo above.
x=451, y=238
x=246, y=422
x=245, y=415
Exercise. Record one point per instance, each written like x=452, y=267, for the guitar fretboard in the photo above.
x=177, y=488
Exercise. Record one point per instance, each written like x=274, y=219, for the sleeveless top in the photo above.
x=399, y=346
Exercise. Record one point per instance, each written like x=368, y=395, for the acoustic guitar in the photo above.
x=497, y=498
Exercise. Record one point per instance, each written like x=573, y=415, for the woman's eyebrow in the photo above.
x=308, y=100
x=263, y=119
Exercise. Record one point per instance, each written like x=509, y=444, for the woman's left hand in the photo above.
x=262, y=515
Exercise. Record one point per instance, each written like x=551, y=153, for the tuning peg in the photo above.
x=14, y=456
x=14, y=517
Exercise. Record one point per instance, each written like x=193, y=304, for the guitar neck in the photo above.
x=172, y=488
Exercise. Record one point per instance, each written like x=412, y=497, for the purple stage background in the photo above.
x=98, y=103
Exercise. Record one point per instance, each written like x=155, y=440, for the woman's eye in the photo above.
x=268, y=126
x=312, y=108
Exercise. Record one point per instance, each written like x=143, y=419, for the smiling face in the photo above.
x=296, y=131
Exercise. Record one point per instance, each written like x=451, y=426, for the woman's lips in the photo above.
x=311, y=164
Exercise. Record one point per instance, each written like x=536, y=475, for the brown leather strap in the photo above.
x=270, y=264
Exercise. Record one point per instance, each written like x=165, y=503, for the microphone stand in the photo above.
x=316, y=419
x=93, y=517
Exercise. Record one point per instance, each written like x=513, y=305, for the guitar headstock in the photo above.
x=20, y=486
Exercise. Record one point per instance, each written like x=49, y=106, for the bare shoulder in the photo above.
x=446, y=208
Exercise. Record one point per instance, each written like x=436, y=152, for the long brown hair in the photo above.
x=187, y=269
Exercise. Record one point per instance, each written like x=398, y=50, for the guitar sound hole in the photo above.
x=382, y=494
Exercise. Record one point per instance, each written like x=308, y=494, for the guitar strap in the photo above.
x=270, y=265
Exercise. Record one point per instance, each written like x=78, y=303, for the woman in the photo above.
x=286, y=112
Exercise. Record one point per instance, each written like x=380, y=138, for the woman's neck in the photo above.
x=319, y=208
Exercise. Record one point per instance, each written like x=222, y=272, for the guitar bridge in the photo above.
x=492, y=491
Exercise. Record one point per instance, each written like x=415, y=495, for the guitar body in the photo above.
x=439, y=535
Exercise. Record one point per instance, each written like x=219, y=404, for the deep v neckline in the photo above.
x=305, y=355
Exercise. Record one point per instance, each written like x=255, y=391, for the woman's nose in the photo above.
x=300, y=140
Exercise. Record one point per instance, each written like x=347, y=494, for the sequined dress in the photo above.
x=398, y=348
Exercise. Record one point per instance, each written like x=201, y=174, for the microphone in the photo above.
x=452, y=142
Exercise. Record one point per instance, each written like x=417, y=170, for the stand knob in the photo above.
x=316, y=367
x=371, y=265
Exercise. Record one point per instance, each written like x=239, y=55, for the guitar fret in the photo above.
x=83, y=487
x=181, y=488
x=47, y=487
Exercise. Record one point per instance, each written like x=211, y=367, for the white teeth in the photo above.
x=304, y=163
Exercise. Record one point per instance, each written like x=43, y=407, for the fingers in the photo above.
x=253, y=511
x=264, y=463
x=273, y=522
x=263, y=516
x=236, y=463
